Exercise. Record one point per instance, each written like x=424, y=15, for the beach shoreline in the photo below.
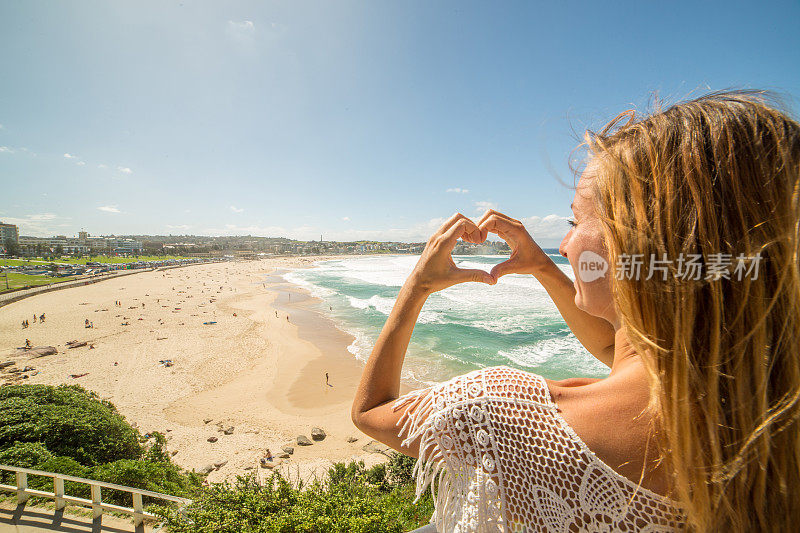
x=246, y=349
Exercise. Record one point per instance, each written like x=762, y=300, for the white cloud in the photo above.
x=42, y=217
x=458, y=190
x=36, y=225
x=242, y=32
x=125, y=170
x=70, y=156
x=236, y=209
x=346, y=219
x=178, y=226
x=81, y=163
x=548, y=230
x=245, y=26
x=481, y=207
x=108, y=208
x=10, y=150
x=101, y=165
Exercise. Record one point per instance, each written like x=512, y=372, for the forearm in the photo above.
x=380, y=381
x=594, y=333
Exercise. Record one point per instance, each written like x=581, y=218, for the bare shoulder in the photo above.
x=610, y=416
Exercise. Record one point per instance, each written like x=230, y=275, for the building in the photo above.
x=8, y=231
x=124, y=246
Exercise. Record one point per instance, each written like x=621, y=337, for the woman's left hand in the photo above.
x=435, y=269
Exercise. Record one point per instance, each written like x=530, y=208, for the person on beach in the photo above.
x=696, y=426
x=41, y=318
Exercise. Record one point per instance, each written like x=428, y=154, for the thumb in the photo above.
x=501, y=269
x=476, y=275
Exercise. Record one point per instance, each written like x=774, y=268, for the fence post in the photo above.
x=138, y=509
x=22, y=487
x=97, y=510
x=58, y=490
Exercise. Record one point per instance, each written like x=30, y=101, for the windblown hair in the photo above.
x=716, y=175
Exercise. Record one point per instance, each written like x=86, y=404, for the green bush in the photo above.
x=399, y=469
x=68, y=421
x=25, y=455
x=353, y=499
x=68, y=430
x=70, y=467
x=141, y=474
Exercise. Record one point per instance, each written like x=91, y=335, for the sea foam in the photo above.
x=467, y=326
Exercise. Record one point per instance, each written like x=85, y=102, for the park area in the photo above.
x=66, y=260
x=36, y=271
x=10, y=281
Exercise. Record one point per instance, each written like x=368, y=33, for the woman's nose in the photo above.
x=562, y=248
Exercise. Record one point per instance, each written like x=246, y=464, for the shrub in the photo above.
x=68, y=430
x=68, y=421
x=162, y=477
x=25, y=455
x=68, y=466
x=354, y=499
x=399, y=469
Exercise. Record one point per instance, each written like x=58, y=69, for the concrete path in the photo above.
x=30, y=519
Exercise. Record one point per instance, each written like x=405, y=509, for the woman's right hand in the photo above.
x=436, y=269
x=526, y=256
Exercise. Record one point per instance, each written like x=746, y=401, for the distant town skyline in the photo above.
x=355, y=120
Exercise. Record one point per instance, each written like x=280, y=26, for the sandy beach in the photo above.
x=245, y=351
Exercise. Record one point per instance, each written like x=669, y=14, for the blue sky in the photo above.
x=348, y=119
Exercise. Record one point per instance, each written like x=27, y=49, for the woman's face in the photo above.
x=584, y=247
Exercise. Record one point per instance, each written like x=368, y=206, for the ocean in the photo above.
x=462, y=328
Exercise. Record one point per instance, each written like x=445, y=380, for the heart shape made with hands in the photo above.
x=526, y=255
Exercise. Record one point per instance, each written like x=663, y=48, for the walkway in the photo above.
x=31, y=519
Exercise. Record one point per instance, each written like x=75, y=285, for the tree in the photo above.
x=11, y=246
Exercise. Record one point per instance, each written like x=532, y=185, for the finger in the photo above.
x=465, y=228
x=457, y=230
x=472, y=233
x=501, y=269
x=490, y=212
x=500, y=226
x=449, y=223
x=474, y=274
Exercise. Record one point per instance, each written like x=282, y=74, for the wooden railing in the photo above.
x=96, y=503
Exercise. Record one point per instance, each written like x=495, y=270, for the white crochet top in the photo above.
x=505, y=460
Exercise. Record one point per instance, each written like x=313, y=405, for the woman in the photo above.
x=695, y=212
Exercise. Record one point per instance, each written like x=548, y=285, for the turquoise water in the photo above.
x=462, y=328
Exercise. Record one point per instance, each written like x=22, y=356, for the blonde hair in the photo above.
x=716, y=175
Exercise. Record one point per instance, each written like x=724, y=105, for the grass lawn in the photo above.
x=15, y=281
x=84, y=260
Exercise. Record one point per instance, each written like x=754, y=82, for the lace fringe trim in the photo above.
x=417, y=422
